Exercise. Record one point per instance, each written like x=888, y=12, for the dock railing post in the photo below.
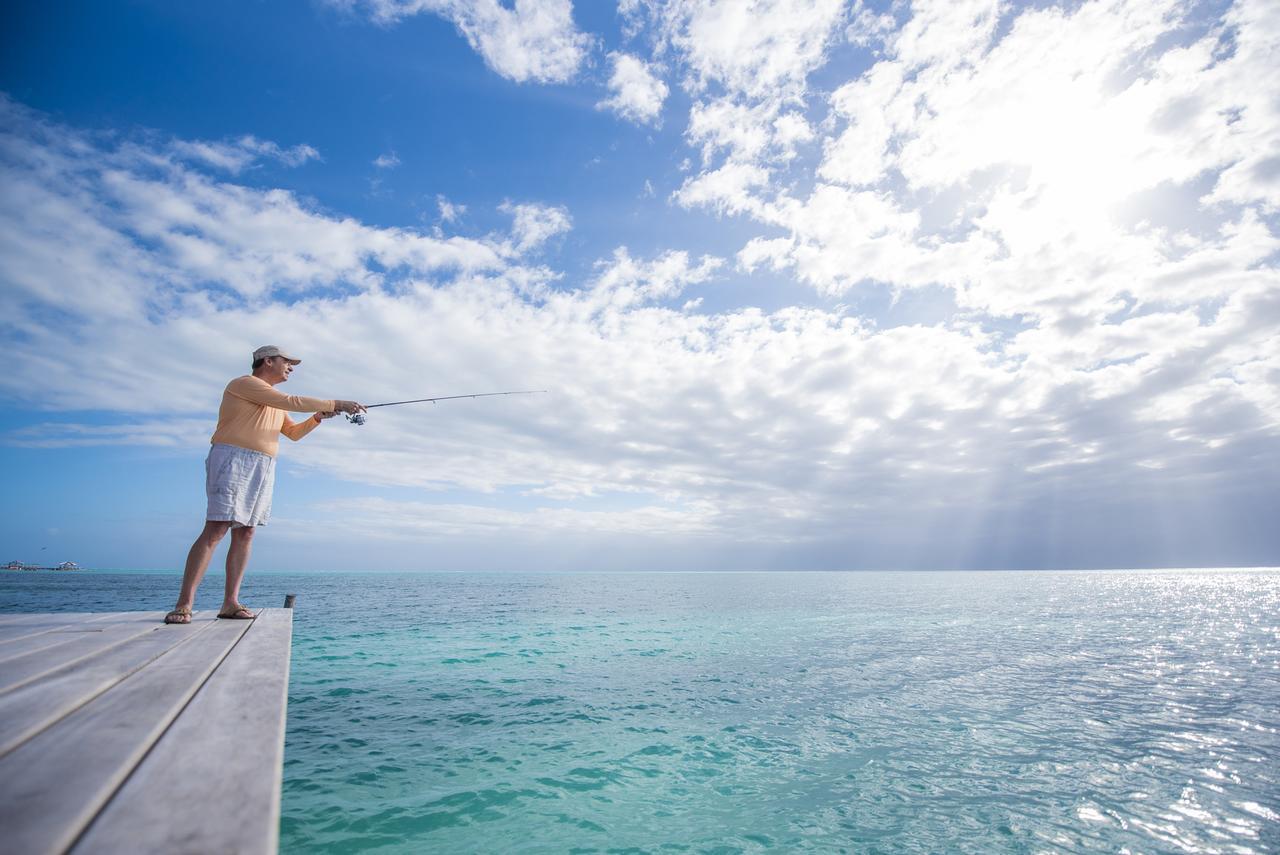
x=288, y=601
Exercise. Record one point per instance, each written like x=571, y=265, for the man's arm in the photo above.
x=259, y=392
x=297, y=430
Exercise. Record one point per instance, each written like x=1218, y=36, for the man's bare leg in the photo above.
x=198, y=562
x=237, y=563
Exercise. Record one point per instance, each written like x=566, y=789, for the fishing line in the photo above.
x=358, y=418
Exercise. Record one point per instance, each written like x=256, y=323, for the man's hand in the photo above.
x=348, y=407
x=328, y=414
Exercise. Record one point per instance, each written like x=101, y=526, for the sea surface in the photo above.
x=1110, y=711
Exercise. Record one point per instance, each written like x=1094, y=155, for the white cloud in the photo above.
x=637, y=92
x=529, y=40
x=450, y=212
x=746, y=65
x=725, y=125
x=729, y=189
x=624, y=281
x=387, y=161
x=760, y=49
x=774, y=252
x=1253, y=135
x=536, y=224
x=138, y=225
x=1016, y=160
x=171, y=433
x=866, y=28
x=236, y=155
x=383, y=519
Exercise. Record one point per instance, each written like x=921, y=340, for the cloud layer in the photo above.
x=525, y=41
x=1086, y=195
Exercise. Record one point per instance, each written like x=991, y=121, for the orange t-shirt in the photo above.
x=252, y=415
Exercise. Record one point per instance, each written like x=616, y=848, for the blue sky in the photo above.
x=813, y=284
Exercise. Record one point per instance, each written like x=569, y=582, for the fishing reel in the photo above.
x=355, y=418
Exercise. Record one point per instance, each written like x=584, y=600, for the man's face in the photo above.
x=280, y=367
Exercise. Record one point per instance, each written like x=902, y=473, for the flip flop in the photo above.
x=234, y=614
x=178, y=613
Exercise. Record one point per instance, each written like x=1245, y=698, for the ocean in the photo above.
x=859, y=712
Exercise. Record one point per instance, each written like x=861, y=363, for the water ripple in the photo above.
x=821, y=712
x=947, y=712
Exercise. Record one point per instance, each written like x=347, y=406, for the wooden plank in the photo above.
x=38, y=638
x=34, y=624
x=82, y=642
x=37, y=705
x=212, y=782
x=27, y=618
x=54, y=784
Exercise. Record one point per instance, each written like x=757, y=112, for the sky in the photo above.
x=811, y=284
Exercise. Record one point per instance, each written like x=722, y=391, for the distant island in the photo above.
x=18, y=565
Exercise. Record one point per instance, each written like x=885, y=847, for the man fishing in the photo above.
x=240, y=471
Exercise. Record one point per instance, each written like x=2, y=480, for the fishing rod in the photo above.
x=358, y=418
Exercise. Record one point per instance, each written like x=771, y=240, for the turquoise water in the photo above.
x=741, y=712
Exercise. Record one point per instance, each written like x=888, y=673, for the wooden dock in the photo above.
x=121, y=734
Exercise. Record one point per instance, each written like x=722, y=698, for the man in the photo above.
x=240, y=471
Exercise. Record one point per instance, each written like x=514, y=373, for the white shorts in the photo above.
x=239, y=482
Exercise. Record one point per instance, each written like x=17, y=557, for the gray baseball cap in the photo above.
x=268, y=350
